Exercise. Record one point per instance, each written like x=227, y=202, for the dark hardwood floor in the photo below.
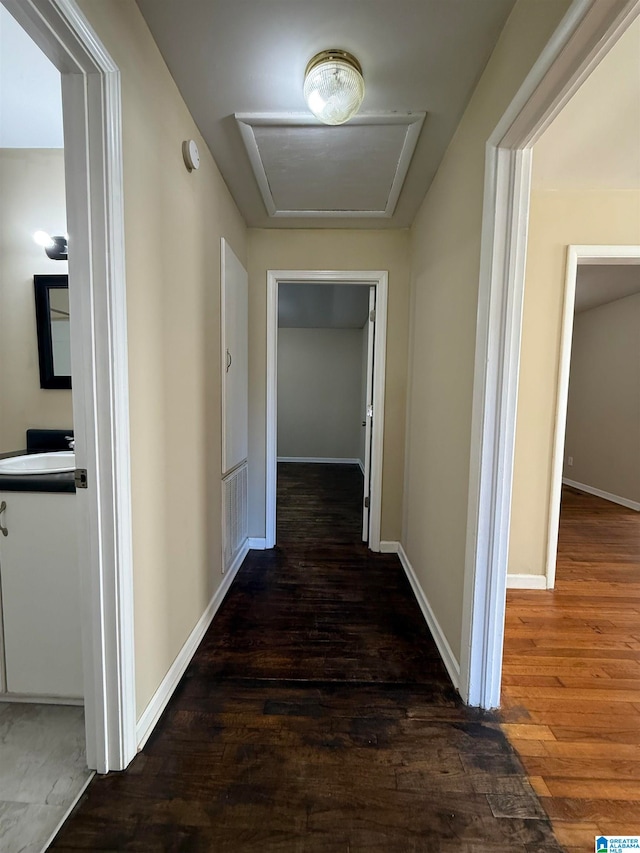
x=571, y=675
x=316, y=716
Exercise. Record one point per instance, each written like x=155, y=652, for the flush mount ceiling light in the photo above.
x=333, y=86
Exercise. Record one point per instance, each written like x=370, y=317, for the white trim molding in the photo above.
x=599, y=493
x=448, y=658
x=526, y=582
x=165, y=691
x=94, y=194
x=585, y=35
x=248, y=121
x=257, y=543
x=328, y=460
x=30, y=699
x=371, y=278
x=576, y=256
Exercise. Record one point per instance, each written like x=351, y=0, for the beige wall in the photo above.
x=32, y=199
x=174, y=221
x=603, y=412
x=557, y=220
x=319, y=387
x=319, y=250
x=446, y=260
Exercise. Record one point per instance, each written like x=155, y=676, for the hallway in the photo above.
x=317, y=716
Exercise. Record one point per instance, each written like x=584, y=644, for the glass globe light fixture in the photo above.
x=333, y=86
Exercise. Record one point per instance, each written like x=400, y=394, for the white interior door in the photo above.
x=235, y=360
x=368, y=415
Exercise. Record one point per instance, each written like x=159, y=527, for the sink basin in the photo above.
x=39, y=463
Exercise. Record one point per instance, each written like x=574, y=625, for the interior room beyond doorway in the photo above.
x=333, y=385
x=324, y=378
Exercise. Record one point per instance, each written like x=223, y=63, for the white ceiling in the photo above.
x=307, y=169
x=594, y=143
x=598, y=284
x=249, y=56
x=322, y=306
x=30, y=95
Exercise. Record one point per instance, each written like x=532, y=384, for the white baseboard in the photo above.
x=158, y=703
x=448, y=657
x=329, y=460
x=389, y=547
x=30, y=699
x=526, y=582
x=361, y=466
x=257, y=543
x=237, y=561
x=607, y=496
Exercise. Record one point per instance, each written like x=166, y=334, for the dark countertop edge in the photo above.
x=38, y=482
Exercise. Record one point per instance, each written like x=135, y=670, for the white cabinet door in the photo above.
x=235, y=359
x=41, y=594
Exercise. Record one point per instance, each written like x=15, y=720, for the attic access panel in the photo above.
x=307, y=169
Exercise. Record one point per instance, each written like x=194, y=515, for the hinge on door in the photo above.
x=372, y=315
x=366, y=502
x=80, y=478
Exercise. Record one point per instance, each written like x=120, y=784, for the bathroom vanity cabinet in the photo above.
x=41, y=594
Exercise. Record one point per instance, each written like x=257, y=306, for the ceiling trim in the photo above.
x=248, y=121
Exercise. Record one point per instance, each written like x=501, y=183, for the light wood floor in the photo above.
x=571, y=676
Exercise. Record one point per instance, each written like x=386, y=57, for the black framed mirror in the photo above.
x=52, y=324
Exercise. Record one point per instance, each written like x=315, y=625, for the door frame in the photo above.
x=576, y=256
x=584, y=36
x=99, y=365
x=370, y=278
x=367, y=423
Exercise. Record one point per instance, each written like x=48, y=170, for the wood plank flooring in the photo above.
x=317, y=716
x=571, y=675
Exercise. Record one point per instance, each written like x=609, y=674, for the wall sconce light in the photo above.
x=333, y=86
x=56, y=248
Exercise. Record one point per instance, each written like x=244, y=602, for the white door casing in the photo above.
x=369, y=278
x=576, y=256
x=368, y=413
x=99, y=367
x=587, y=32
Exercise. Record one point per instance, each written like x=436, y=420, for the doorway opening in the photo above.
x=580, y=43
x=99, y=368
x=41, y=667
x=325, y=390
x=578, y=641
x=362, y=405
x=610, y=461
